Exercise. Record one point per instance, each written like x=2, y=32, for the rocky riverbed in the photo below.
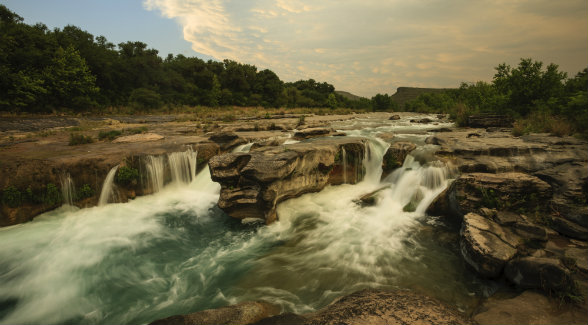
x=518, y=203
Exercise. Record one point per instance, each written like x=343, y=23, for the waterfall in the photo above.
x=344, y=155
x=109, y=191
x=372, y=162
x=67, y=189
x=183, y=166
x=155, y=172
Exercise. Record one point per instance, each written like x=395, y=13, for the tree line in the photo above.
x=540, y=98
x=46, y=70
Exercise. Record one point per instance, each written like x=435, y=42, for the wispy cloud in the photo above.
x=371, y=46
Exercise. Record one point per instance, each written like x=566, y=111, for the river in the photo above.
x=175, y=252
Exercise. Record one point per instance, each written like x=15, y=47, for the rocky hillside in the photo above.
x=405, y=94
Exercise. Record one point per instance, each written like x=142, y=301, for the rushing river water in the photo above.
x=175, y=252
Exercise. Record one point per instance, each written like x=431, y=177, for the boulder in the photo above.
x=544, y=273
x=513, y=191
x=227, y=140
x=395, y=155
x=387, y=307
x=253, y=183
x=485, y=245
x=267, y=143
x=394, y=117
x=243, y=313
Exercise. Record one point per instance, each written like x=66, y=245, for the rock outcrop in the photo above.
x=313, y=133
x=489, y=120
x=240, y=314
x=486, y=246
x=540, y=272
x=378, y=307
x=253, y=183
x=395, y=155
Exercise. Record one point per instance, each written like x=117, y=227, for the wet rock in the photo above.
x=371, y=198
x=422, y=121
x=253, y=183
x=394, y=117
x=530, y=231
x=544, y=273
x=569, y=228
x=227, y=140
x=244, y=313
x=442, y=130
x=383, y=307
x=485, y=245
x=529, y=308
x=395, y=155
x=313, y=132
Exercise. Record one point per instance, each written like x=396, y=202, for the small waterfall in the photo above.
x=67, y=189
x=372, y=162
x=183, y=166
x=109, y=191
x=155, y=172
x=244, y=147
x=344, y=155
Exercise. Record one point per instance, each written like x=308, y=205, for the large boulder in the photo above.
x=486, y=246
x=513, y=191
x=253, y=183
x=395, y=155
x=313, y=133
x=240, y=314
x=544, y=273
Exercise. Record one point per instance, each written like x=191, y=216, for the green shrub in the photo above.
x=77, y=139
x=85, y=192
x=11, y=197
x=110, y=135
x=127, y=175
x=52, y=195
x=140, y=130
x=410, y=207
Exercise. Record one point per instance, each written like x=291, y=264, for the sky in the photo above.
x=361, y=46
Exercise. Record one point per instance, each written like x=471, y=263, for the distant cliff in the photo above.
x=405, y=94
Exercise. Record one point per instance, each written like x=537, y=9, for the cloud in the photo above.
x=372, y=46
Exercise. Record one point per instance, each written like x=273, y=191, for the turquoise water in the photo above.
x=175, y=252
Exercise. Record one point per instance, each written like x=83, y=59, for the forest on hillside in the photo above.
x=69, y=69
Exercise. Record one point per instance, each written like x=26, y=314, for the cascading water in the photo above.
x=175, y=252
x=344, y=157
x=67, y=189
x=155, y=166
x=109, y=191
x=183, y=166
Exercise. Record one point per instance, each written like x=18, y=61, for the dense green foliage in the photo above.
x=69, y=69
x=541, y=100
x=127, y=175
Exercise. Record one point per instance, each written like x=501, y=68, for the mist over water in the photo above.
x=175, y=252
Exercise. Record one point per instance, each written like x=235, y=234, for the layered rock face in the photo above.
x=253, y=183
x=522, y=206
x=37, y=183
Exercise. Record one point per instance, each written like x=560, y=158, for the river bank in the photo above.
x=388, y=252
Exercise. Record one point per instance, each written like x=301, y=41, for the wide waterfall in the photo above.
x=176, y=252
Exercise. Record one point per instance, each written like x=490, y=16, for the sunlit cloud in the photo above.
x=372, y=46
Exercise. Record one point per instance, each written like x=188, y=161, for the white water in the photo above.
x=109, y=191
x=67, y=189
x=183, y=166
x=174, y=252
x=155, y=172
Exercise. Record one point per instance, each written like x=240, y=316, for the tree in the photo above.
x=381, y=102
x=332, y=101
x=69, y=81
x=528, y=84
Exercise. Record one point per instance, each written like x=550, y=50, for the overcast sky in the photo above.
x=362, y=46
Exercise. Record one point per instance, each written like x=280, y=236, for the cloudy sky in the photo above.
x=362, y=46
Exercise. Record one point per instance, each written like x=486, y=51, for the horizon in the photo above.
x=425, y=45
